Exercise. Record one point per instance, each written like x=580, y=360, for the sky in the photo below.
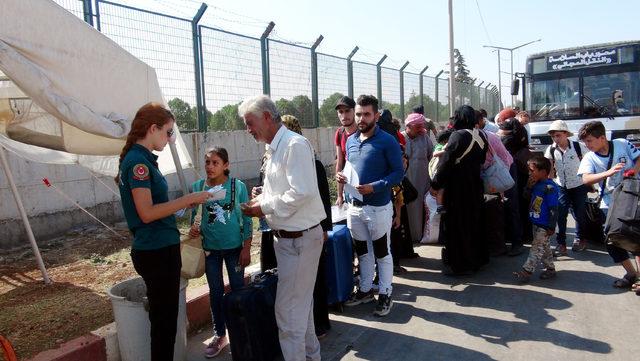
x=417, y=31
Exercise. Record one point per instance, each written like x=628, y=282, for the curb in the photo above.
x=102, y=344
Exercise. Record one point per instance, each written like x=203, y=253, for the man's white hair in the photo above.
x=257, y=105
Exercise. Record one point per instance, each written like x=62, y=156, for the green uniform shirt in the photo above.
x=139, y=169
x=223, y=225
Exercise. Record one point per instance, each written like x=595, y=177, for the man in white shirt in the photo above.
x=291, y=204
x=565, y=158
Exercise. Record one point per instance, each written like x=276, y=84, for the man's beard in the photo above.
x=366, y=127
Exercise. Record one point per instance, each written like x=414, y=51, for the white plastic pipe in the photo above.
x=23, y=215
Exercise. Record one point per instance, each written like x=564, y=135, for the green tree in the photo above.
x=304, y=110
x=226, y=118
x=328, y=115
x=184, y=113
x=393, y=108
x=285, y=106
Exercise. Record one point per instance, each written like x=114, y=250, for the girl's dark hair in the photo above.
x=220, y=152
x=443, y=136
x=148, y=115
x=464, y=118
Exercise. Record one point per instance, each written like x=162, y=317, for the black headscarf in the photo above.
x=464, y=118
x=517, y=137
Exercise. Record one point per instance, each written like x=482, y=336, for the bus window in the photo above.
x=616, y=94
x=555, y=99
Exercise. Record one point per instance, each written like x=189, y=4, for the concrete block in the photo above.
x=110, y=336
x=88, y=347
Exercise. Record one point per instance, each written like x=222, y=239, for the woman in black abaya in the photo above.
x=466, y=248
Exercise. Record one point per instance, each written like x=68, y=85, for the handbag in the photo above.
x=191, y=252
x=409, y=192
x=496, y=176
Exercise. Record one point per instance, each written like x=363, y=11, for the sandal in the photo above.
x=522, y=276
x=625, y=282
x=548, y=273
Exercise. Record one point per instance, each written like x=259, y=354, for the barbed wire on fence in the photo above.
x=231, y=66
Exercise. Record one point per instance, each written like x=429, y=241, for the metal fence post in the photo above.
x=437, y=96
x=379, y=78
x=421, y=85
x=350, y=72
x=315, y=112
x=88, y=12
x=402, y=88
x=480, y=105
x=98, y=15
x=264, y=54
x=197, y=64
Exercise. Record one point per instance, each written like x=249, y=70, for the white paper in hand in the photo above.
x=217, y=193
x=352, y=181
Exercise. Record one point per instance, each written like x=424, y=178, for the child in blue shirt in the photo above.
x=543, y=213
x=226, y=237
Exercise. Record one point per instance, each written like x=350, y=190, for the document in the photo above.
x=352, y=181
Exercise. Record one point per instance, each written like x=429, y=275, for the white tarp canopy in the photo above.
x=67, y=92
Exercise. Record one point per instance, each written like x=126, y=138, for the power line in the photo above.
x=484, y=26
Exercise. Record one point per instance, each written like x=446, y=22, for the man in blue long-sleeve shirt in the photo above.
x=377, y=159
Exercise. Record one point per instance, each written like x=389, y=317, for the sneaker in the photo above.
x=561, y=250
x=359, y=297
x=384, y=305
x=216, y=346
x=579, y=245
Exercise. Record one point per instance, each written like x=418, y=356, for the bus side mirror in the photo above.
x=515, y=86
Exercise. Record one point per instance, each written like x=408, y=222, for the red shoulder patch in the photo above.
x=140, y=172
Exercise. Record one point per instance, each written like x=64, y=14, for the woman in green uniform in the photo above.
x=156, y=241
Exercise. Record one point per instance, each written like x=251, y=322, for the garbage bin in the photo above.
x=129, y=302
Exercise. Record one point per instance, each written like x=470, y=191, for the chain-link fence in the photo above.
x=205, y=72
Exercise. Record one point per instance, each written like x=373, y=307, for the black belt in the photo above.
x=291, y=234
x=357, y=203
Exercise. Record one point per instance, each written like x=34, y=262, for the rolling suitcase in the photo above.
x=251, y=320
x=339, y=264
x=495, y=225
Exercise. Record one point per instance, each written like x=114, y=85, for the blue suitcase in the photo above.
x=339, y=264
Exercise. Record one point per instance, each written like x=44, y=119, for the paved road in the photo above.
x=576, y=316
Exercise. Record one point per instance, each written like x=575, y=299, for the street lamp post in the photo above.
x=498, y=48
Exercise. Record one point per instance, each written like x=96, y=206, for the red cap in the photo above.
x=46, y=182
x=506, y=114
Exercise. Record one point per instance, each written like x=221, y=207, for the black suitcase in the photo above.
x=495, y=227
x=251, y=320
x=623, y=218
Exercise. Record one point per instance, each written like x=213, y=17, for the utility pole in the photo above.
x=452, y=86
x=513, y=98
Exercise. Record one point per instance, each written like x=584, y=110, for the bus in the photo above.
x=596, y=82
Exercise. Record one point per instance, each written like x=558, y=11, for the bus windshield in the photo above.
x=611, y=94
x=554, y=99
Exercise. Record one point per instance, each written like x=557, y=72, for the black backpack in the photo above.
x=576, y=146
x=623, y=219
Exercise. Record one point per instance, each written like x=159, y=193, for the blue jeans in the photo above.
x=213, y=269
x=574, y=198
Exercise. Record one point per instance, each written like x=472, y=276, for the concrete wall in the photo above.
x=51, y=214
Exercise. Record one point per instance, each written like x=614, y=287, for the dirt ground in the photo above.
x=83, y=264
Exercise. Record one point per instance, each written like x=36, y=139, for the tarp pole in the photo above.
x=23, y=215
x=179, y=171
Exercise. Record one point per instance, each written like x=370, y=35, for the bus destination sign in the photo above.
x=580, y=59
